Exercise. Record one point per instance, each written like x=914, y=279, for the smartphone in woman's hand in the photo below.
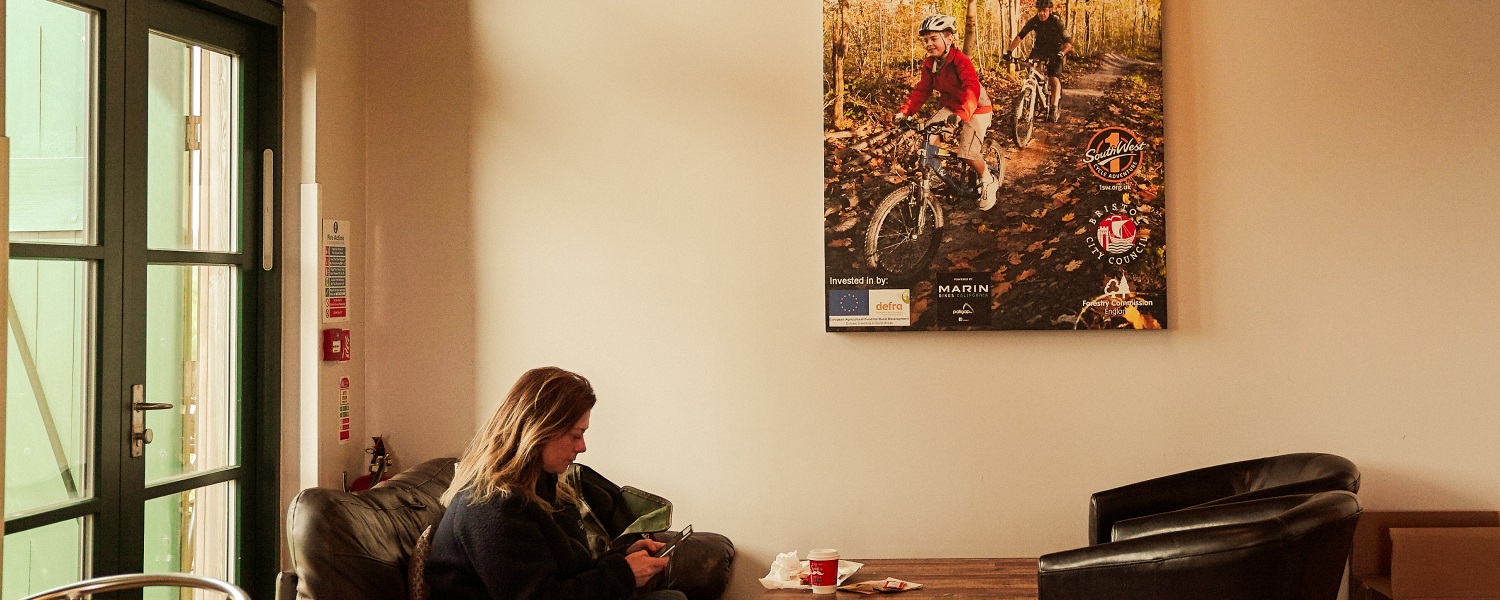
x=666, y=550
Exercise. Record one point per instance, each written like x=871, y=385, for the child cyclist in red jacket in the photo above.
x=949, y=72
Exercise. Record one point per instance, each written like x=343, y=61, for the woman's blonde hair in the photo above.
x=506, y=456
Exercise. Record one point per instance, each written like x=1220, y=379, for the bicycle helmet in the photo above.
x=1041, y=4
x=938, y=23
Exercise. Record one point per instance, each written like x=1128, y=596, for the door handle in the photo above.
x=139, y=435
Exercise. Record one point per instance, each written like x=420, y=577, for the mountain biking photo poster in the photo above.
x=993, y=164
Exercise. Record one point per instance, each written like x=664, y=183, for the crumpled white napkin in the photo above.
x=786, y=572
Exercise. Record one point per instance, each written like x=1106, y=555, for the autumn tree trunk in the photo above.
x=884, y=63
x=839, y=47
x=1012, y=11
x=971, y=27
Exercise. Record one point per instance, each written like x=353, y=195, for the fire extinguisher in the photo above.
x=380, y=459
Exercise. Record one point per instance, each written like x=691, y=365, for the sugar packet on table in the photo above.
x=887, y=585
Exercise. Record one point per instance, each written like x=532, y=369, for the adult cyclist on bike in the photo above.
x=949, y=72
x=1052, y=44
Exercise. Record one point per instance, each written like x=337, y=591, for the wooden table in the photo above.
x=951, y=578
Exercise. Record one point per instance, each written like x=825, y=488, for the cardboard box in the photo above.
x=1433, y=563
x=1370, y=571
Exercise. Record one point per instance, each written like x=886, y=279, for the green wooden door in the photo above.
x=140, y=407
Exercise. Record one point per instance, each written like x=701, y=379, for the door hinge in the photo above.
x=194, y=132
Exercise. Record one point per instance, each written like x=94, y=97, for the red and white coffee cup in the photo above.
x=823, y=570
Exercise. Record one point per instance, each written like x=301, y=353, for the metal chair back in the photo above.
x=110, y=583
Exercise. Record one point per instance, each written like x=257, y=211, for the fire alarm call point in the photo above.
x=336, y=345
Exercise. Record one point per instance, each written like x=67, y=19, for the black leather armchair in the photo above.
x=1305, y=473
x=1280, y=548
x=357, y=546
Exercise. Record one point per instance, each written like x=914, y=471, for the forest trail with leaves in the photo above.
x=1033, y=243
x=1078, y=98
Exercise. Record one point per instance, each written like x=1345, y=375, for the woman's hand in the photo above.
x=643, y=565
x=646, y=544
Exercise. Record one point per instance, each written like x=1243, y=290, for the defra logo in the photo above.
x=1114, y=154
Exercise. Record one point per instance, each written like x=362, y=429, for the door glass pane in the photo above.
x=49, y=113
x=49, y=383
x=192, y=151
x=37, y=560
x=191, y=532
x=191, y=331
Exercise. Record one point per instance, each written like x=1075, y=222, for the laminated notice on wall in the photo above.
x=344, y=410
x=335, y=271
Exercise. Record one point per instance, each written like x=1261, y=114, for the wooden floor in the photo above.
x=950, y=578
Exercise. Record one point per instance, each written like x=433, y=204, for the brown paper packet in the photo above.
x=880, y=586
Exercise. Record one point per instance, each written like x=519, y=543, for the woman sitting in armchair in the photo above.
x=513, y=528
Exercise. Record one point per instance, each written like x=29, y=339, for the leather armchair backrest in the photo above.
x=1288, y=474
x=1304, y=473
x=355, y=545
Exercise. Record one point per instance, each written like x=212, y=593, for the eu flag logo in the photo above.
x=844, y=303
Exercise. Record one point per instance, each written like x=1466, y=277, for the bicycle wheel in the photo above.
x=994, y=156
x=903, y=236
x=1025, y=115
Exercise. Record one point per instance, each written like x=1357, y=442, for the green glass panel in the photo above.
x=191, y=532
x=49, y=49
x=40, y=559
x=191, y=327
x=49, y=386
x=192, y=148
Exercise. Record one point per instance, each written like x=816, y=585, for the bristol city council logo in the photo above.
x=1116, y=236
x=1114, y=154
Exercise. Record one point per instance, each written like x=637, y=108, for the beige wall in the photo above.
x=632, y=190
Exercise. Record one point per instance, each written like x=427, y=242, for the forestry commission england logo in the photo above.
x=1114, y=154
x=1117, y=237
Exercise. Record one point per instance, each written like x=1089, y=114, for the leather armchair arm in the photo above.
x=1306, y=545
x=1159, y=495
x=1207, y=516
x=1144, y=551
x=1169, y=566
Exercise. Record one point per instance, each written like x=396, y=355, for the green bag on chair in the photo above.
x=615, y=517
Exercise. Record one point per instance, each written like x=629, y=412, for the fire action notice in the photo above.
x=997, y=167
x=335, y=305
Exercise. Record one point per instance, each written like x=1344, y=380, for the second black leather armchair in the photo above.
x=1281, y=548
x=1303, y=473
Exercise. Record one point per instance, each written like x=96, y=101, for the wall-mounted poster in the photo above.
x=994, y=164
